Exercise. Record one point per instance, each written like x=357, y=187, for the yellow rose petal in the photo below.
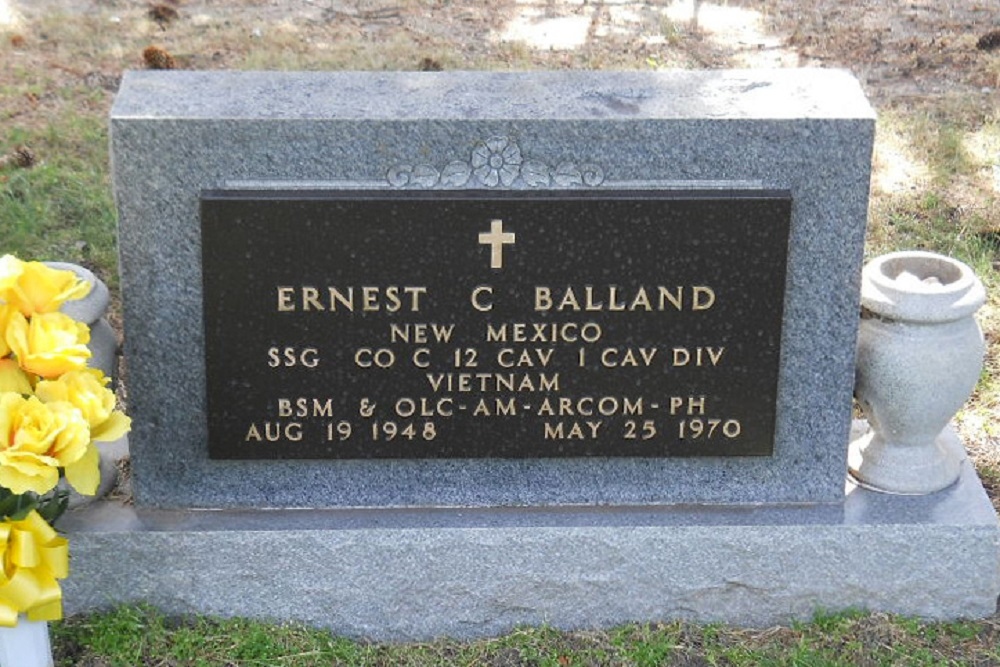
x=73, y=435
x=36, y=440
x=48, y=344
x=10, y=270
x=29, y=427
x=33, y=287
x=85, y=474
x=87, y=391
x=114, y=427
x=22, y=474
x=6, y=311
x=12, y=378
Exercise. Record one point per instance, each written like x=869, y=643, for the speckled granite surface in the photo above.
x=420, y=573
x=174, y=134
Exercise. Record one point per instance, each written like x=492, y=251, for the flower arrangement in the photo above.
x=53, y=409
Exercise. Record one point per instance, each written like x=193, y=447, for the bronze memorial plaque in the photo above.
x=421, y=324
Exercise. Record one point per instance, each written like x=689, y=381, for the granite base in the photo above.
x=410, y=574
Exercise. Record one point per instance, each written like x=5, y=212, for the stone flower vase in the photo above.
x=104, y=349
x=90, y=310
x=26, y=645
x=920, y=352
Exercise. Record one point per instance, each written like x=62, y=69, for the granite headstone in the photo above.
x=177, y=138
x=450, y=352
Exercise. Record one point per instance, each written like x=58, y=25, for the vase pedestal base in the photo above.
x=903, y=470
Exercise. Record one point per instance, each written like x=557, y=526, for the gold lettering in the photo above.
x=509, y=357
x=698, y=356
x=641, y=300
x=543, y=298
x=415, y=293
x=613, y=298
x=369, y=299
x=505, y=384
x=274, y=432
x=703, y=297
x=477, y=304
x=495, y=382
x=305, y=407
x=401, y=333
x=569, y=301
x=496, y=334
x=689, y=405
x=310, y=299
x=551, y=432
x=336, y=296
x=589, y=292
x=418, y=333
x=585, y=406
x=543, y=332
x=500, y=408
x=676, y=299
x=614, y=357
x=575, y=430
x=392, y=298
x=285, y=299
x=615, y=305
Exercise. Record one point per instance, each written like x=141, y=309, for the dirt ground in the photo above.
x=897, y=48
x=909, y=54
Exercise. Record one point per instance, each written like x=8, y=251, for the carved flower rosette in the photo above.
x=496, y=162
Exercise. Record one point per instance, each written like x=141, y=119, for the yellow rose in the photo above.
x=32, y=287
x=6, y=311
x=36, y=439
x=32, y=558
x=49, y=344
x=12, y=378
x=87, y=391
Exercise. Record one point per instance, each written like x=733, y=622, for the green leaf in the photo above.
x=17, y=506
x=54, y=505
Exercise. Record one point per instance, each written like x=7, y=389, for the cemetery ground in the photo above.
x=932, y=70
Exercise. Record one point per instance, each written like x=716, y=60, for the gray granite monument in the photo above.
x=442, y=353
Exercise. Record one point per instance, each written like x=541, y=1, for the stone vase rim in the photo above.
x=91, y=307
x=920, y=286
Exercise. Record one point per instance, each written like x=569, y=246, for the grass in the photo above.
x=934, y=190
x=62, y=209
x=138, y=635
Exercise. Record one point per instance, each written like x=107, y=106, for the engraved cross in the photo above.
x=496, y=238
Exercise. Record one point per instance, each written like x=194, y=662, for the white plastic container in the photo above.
x=26, y=645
